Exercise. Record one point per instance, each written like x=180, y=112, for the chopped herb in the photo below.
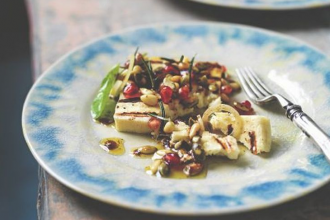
x=149, y=70
x=181, y=59
x=190, y=71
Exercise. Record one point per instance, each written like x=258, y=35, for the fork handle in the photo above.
x=309, y=127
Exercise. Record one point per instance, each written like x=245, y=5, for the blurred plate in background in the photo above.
x=267, y=4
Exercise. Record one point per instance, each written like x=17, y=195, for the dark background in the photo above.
x=18, y=169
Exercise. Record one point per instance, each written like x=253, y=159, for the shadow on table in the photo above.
x=271, y=19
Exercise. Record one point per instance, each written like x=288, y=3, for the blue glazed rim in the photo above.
x=113, y=201
x=261, y=5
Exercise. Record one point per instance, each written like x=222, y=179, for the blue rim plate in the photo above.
x=64, y=140
x=268, y=4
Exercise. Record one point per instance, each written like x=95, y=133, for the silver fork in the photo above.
x=261, y=95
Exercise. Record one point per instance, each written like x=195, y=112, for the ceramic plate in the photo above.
x=268, y=4
x=63, y=138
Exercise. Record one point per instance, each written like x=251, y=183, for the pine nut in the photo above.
x=146, y=150
x=218, y=83
x=185, y=79
x=177, y=145
x=177, y=86
x=185, y=60
x=145, y=91
x=154, y=166
x=176, y=79
x=213, y=87
x=223, y=81
x=224, y=97
x=183, y=66
x=235, y=85
x=169, y=127
x=194, y=129
x=196, y=139
x=136, y=69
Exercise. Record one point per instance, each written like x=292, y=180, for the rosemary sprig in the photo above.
x=134, y=75
x=189, y=71
x=162, y=109
x=158, y=116
x=181, y=59
x=168, y=59
x=149, y=70
x=136, y=51
x=150, y=67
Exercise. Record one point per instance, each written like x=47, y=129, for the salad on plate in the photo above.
x=184, y=104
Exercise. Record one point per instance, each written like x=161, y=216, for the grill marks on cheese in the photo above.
x=226, y=146
x=253, y=142
x=131, y=115
x=215, y=145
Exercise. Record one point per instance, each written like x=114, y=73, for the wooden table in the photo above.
x=60, y=25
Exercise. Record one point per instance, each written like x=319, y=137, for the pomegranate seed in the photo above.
x=184, y=92
x=172, y=70
x=243, y=108
x=226, y=89
x=246, y=103
x=172, y=159
x=138, y=58
x=131, y=90
x=126, y=64
x=154, y=123
x=166, y=94
x=224, y=69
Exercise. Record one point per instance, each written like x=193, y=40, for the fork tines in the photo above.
x=251, y=83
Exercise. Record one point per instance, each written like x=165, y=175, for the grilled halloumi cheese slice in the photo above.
x=255, y=132
x=133, y=116
x=220, y=146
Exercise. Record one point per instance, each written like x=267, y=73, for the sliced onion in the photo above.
x=201, y=123
x=237, y=126
x=115, y=91
x=128, y=74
